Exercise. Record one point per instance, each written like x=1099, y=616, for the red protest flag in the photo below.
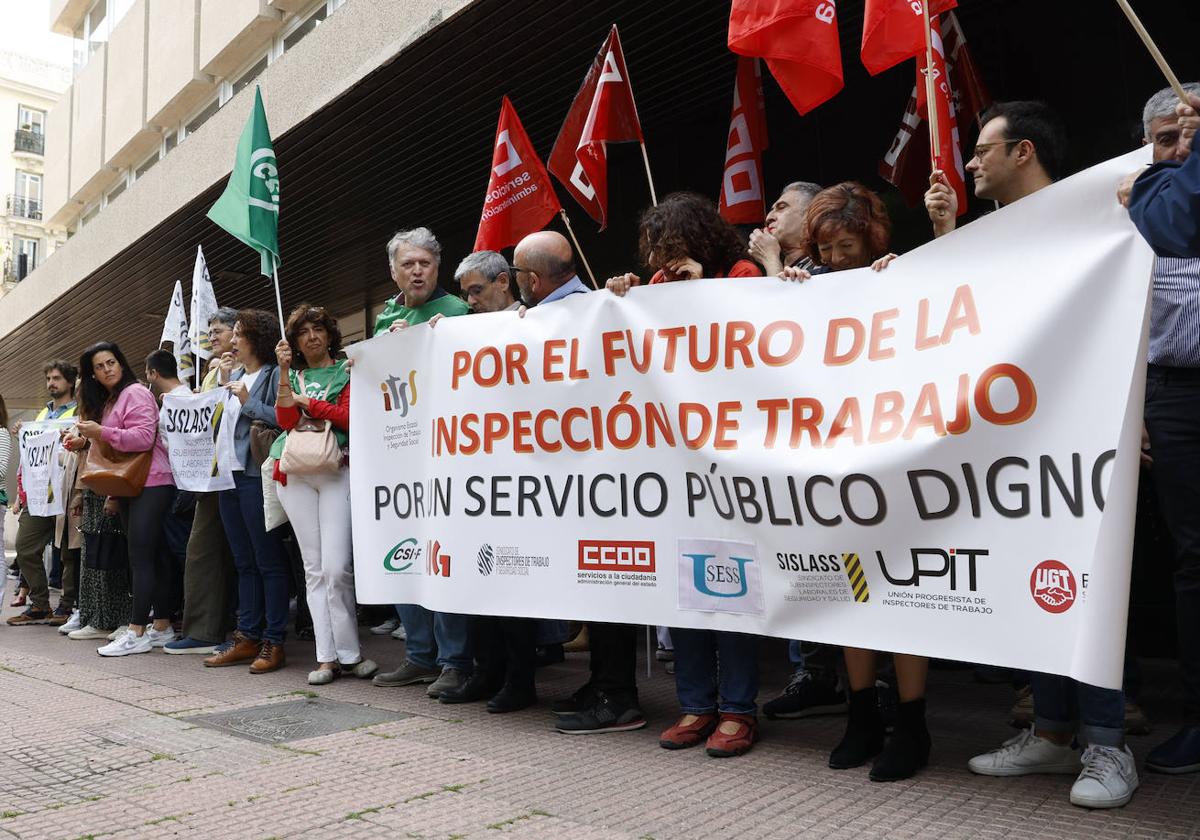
x=799, y=41
x=742, y=185
x=894, y=30
x=906, y=163
x=603, y=111
x=520, y=197
x=948, y=154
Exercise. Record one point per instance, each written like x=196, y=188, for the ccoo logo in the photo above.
x=487, y=560
x=1053, y=586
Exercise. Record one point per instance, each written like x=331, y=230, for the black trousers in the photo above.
x=505, y=649
x=1173, y=421
x=614, y=660
x=153, y=580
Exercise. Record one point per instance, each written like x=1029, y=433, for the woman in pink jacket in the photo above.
x=129, y=423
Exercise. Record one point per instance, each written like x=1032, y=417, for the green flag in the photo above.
x=249, y=207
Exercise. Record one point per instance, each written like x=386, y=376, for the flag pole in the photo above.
x=649, y=179
x=278, y=300
x=578, y=250
x=1155, y=53
x=935, y=139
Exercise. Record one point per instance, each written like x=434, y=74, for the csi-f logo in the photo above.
x=1053, y=586
x=933, y=563
x=398, y=395
x=436, y=563
x=719, y=576
x=401, y=557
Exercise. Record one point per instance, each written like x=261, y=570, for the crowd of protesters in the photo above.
x=196, y=573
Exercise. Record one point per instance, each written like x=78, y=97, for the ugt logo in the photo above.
x=398, y=395
x=1053, y=586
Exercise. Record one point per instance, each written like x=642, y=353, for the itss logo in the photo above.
x=719, y=576
x=398, y=395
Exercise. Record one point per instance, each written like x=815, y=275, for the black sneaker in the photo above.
x=605, y=715
x=807, y=695
x=582, y=699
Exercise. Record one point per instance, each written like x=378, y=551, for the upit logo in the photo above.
x=1053, y=586
x=436, y=563
x=398, y=395
x=616, y=556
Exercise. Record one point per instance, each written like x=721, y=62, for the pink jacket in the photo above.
x=131, y=425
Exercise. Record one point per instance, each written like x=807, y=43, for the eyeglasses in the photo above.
x=982, y=149
x=517, y=268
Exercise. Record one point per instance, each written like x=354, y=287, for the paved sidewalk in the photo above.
x=96, y=747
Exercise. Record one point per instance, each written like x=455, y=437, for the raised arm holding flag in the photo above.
x=249, y=207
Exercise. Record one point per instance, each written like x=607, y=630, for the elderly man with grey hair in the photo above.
x=485, y=278
x=781, y=243
x=438, y=644
x=413, y=258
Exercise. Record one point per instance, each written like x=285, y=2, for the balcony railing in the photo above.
x=25, y=208
x=33, y=142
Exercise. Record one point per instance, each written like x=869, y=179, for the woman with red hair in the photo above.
x=847, y=226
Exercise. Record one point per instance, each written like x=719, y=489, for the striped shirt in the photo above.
x=1175, y=313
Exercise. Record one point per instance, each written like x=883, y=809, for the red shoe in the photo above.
x=683, y=735
x=726, y=745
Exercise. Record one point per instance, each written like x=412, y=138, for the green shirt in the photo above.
x=324, y=383
x=441, y=302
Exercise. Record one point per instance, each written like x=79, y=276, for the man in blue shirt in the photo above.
x=1164, y=201
x=545, y=268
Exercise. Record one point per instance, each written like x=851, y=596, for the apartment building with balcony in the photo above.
x=29, y=89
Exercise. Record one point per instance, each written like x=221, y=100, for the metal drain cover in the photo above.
x=294, y=720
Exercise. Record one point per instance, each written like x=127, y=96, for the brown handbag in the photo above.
x=110, y=472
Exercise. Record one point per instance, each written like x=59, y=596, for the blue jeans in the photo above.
x=796, y=655
x=1061, y=704
x=436, y=638
x=259, y=558
x=712, y=665
x=552, y=631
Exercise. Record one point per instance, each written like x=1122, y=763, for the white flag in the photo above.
x=175, y=330
x=204, y=307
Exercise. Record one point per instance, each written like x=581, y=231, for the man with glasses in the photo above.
x=208, y=574
x=485, y=278
x=1020, y=150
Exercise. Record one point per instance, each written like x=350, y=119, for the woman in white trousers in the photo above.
x=317, y=501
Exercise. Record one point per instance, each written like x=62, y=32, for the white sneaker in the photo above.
x=1108, y=780
x=1024, y=755
x=124, y=645
x=158, y=638
x=387, y=627
x=72, y=623
x=399, y=633
x=118, y=633
x=88, y=632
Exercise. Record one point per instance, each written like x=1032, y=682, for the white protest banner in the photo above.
x=175, y=330
x=198, y=431
x=42, y=467
x=940, y=458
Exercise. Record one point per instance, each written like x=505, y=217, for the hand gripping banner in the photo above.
x=940, y=458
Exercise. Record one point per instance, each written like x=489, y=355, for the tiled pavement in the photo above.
x=93, y=747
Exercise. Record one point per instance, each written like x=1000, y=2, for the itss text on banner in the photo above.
x=937, y=459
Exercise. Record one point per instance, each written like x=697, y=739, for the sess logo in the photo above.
x=719, y=576
x=398, y=395
x=1053, y=586
x=401, y=557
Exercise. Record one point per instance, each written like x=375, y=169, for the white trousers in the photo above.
x=319, y=509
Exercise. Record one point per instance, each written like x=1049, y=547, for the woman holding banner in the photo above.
x=847, y=227
x=314, y=483
x=128, y=422
x=716, y=671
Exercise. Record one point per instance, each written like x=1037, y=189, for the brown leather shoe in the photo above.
x=270, y=658
x=237, y=650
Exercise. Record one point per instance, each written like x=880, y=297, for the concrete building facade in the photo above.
x=29, y=88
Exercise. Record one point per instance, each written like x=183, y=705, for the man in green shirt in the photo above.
x=438, y=644
x=413, y=257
